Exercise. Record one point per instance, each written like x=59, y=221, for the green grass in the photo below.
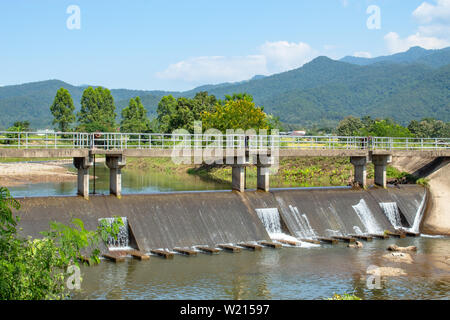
x=300, y=172
x=293, y=172
x=345, y=296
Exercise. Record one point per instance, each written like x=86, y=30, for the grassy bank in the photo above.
x=298, y=172
x=164, y=165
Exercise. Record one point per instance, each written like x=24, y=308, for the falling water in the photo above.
x=312, y=233
x=270, y=217
x=304, y=231
x=418, y=218
x=357, y=230
x=122, y=241
x=393, y=214
x=366, y=217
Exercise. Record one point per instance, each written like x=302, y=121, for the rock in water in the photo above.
x=399, y=257
x=387, y=272
x=395, y=247
x=357, y=245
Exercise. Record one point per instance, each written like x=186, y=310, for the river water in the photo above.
x=287, y=273
x=133, y=181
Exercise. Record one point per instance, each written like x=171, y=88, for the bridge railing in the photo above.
x=121, y=141
x=387, y=143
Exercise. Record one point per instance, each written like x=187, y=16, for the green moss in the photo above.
x=345, y=296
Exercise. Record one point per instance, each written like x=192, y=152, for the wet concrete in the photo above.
x=169, y=220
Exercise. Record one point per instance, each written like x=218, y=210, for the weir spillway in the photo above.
x=171, y=220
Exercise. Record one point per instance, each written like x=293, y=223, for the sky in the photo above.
x=178, y=45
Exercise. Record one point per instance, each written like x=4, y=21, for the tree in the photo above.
x=386, y=128
x=62, y=110
x=430, y=128
x=182, y=112
x=134, y=117
x=350, y=126
x=35, y=269
x=97, y=111
x=236, y=114
x=167, y=106
x=22, y=126
x=18, y=126
x=239, y=96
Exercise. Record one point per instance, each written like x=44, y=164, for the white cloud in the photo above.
x=437, y=30
x=283, y=55
x=362, y=54
x=215, y=69
x=432, y=33
x=272, y=57
x=428, y=13
x=397, y=44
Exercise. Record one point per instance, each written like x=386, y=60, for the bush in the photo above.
x=35, y=269
x=345, y=296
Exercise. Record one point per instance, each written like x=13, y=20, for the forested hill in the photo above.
x=431, y=58
x=323, y=91
x=31, y=101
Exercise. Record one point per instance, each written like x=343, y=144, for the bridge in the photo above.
x=237, y=150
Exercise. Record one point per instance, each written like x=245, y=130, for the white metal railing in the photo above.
x=120, y=141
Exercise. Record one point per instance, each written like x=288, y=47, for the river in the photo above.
x=287, y=273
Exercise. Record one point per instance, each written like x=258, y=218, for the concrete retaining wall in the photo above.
x=210, y=218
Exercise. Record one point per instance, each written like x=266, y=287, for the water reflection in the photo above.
x=288, y=273
x=133, y=181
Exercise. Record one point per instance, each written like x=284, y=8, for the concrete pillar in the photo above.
x=359, y=164
x=238, y=178
x=83, y=164
x=115, y=163
x=263, y=164
x=380, y=162
x=262, y=179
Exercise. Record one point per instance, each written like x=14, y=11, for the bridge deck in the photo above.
x=75, y=144
x=168, y=153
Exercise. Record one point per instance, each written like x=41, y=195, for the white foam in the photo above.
x=367, y=218
x=433, y=236
x=391, y=211
x=418, y=218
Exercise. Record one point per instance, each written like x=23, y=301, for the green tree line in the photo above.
x=366, y=126
x=237, y=111
x=98, y=114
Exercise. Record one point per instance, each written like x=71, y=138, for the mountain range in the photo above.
x=405, y=86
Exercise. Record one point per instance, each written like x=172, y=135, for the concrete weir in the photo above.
x=209, y=219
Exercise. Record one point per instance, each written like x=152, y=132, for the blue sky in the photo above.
x=177, y=45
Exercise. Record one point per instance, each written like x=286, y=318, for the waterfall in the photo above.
x=366, y=217
x=419, y=215
x=391, y=211
x=310, y=229
x=122, y=241
x=270, y=217
x=304, y=230
x=358, y=230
